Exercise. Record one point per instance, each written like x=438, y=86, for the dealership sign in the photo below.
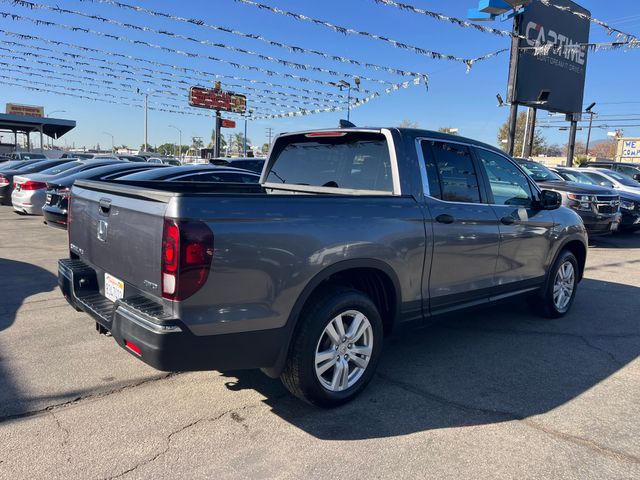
x=629, y=149
x=228, y=123
x=25, y=110
x=553, y=79
x=217, y=99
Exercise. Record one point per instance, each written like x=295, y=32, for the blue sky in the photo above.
x=454, y=98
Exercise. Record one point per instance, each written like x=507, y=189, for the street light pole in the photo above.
x=146, y=101
x=589, y=110
x=112, y=142
x=179, y=141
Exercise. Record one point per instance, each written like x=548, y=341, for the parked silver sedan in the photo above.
x=29, y=192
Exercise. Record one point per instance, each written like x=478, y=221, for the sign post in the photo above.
x=218, y=100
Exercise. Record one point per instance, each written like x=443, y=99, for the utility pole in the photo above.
x=216, y=146
x=179, y=141
x=591, y=113
x=571, y=147
x=511, y=87
x=146, y=102
x=269, y=134
x=530, y=131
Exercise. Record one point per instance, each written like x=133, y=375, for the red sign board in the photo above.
x=228, y=123
x=217, y=100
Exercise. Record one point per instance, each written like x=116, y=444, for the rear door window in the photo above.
x=450, y=172
x=349, y=160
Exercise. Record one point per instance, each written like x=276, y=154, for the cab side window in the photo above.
x=450, y=172
x=508, y=184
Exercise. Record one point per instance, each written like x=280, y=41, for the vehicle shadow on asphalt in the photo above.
x=18, y=281
x=487, y=366
x=618, y=240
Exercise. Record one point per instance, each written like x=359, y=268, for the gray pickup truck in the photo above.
x=350, y=233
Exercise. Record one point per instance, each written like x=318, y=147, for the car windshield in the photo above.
x=33, y=156
x=60, y=168
x=10, y=164
x=578, y=177
x=599, y=178
x=540, y=173
x=623, y=179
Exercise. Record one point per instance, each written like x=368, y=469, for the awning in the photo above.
x=52, y=127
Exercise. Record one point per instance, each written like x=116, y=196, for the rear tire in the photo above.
x=557, y=296
x=335, y=349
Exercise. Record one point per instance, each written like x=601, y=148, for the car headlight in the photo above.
x=580, y=198
x=627, y=205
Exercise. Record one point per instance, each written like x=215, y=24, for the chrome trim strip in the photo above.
x=141, y=322
x=329, y=190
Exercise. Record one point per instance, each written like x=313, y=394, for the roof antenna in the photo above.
x=346, y=124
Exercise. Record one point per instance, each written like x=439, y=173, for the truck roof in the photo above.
x=404, y=132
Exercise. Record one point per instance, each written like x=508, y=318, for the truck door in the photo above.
x=465, y=228
x=525, y=231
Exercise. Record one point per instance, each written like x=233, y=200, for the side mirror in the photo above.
x=550, y=200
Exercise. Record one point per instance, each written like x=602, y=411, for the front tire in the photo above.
x=560, y=289
x=335, y=349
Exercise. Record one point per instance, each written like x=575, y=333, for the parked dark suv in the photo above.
x=598, y=206
x=629, y=169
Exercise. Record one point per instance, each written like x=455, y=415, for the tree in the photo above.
x=237, y=142
x=406, y=123
x=604, y=149
x=553, y=150
x=449, y=130
x=197, y=143
x=265, y=148
x=149, y=149
x=578, y=150
x=212, y=143
x=539, y=142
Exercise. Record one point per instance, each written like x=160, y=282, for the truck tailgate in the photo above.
x=120, y=234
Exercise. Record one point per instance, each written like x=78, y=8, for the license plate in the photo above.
x=614, y=226
x=113, y=287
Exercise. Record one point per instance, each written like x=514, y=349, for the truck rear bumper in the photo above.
x=165, y=343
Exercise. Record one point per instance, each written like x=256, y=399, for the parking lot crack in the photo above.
x=65, y=434
x=233, y=412
x=81, y=398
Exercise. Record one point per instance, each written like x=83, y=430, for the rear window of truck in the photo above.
x=349, y=160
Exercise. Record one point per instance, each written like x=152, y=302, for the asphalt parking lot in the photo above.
x=492, y=394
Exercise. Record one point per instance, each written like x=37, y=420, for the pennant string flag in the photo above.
x=185, y=70
x=148, y=79
x=169, y=90
x=439, y=16
x=274, y=43
x=624, y=36
x=236, y=65
x=169, y=33
x=350, y=31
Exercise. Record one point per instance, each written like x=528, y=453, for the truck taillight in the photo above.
x=187, y=252
x=4, y=181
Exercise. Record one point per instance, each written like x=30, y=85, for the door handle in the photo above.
x=508, y=220
x=105, y=206
x=445, y=218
